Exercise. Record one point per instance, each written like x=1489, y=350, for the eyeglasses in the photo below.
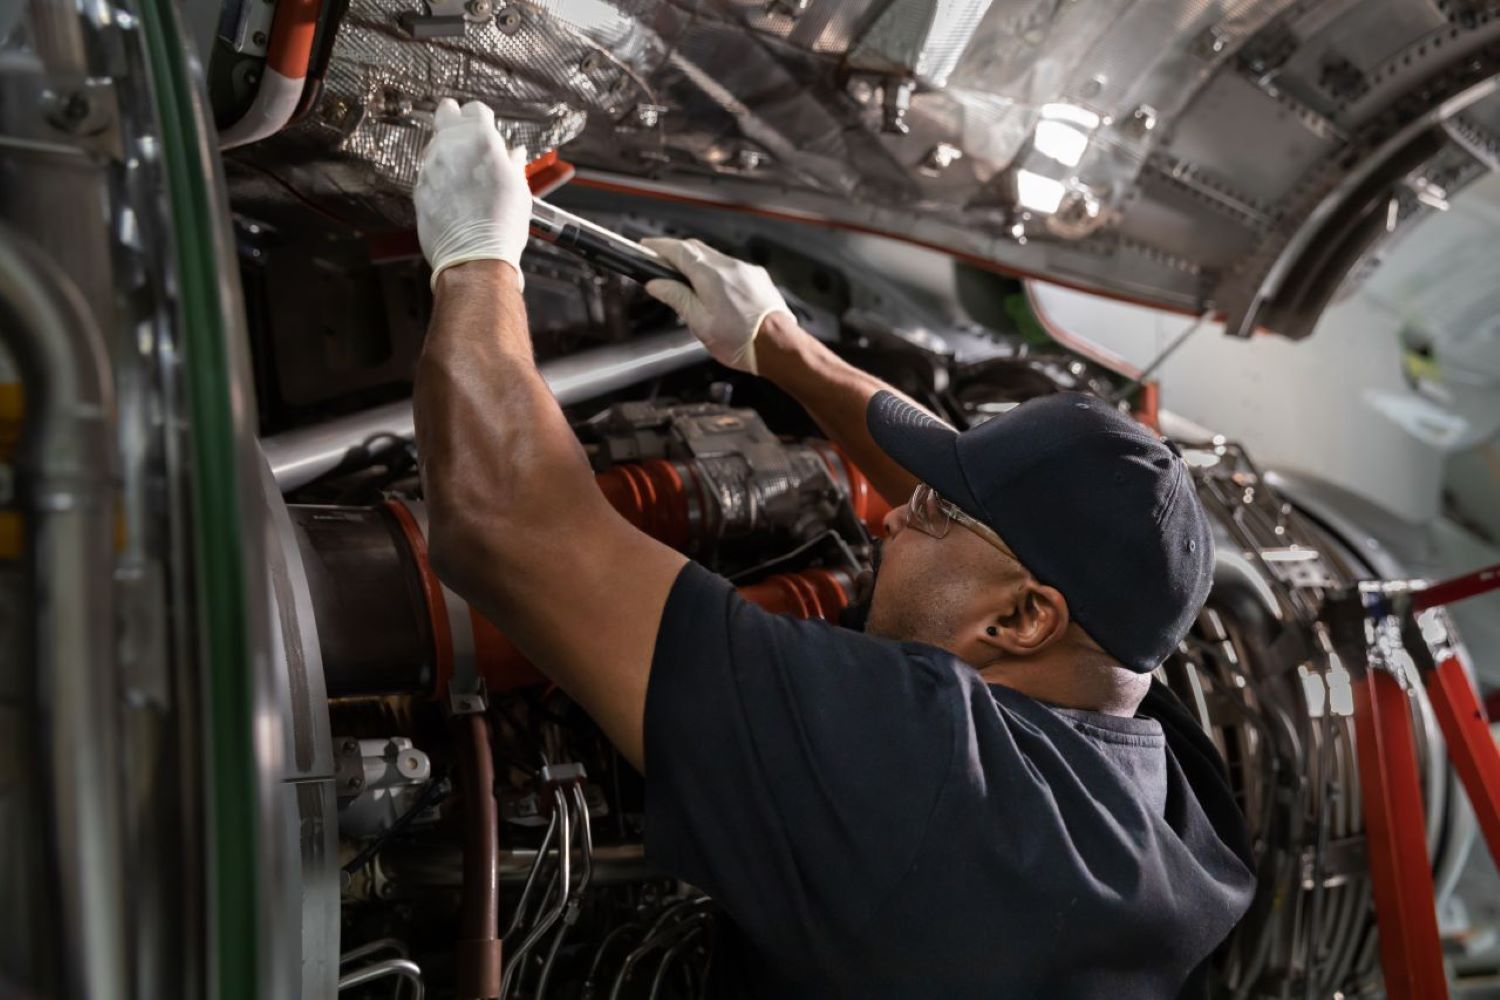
x=930, y=514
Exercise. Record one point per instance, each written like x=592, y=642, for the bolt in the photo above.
x=259, y=38
x=337, y=110
x=941, y=157
x=1142, y=120
x=508, y=20
x=349, y=746
x=590, y=62
x=69, y=112
x=355, y=783
x=896, y=97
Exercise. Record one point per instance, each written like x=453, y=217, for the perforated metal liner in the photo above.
x=919, y=118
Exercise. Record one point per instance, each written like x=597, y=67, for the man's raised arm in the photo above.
x=517, y=524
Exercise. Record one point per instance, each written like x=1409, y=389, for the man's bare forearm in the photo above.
x=835, y=393
x=499, y=462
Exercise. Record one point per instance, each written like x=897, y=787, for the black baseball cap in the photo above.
x=1090, y=501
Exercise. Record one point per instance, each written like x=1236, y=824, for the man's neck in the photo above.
x=1094, y=687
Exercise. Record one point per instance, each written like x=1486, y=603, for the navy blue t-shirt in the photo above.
x=876, y=821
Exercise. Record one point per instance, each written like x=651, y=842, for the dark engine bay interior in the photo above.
x=408, y=708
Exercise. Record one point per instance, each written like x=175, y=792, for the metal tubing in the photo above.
x=1405, y=911
x=437, y=866
x=405, y=968
x=375, y=947
x=64, y=483
x=478, y=949
x=564, y=881
x=300, y=456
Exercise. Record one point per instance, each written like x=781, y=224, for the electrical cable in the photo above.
x=784, y=557
x=435, y=791
x=1156, y=362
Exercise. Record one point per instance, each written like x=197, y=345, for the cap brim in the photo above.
x=922, y=445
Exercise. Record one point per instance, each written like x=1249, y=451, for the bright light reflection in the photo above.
x=1071, y=113
x=1061, y=141
x=1038, y=193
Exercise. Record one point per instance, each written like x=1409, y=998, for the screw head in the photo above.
x=355, y=782
x=349, y=746
x=508, y=20
x=259, y=38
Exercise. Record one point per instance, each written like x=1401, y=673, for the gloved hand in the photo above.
x=728, y=300
x=472, y=199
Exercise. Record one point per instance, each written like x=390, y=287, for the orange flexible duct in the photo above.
x=664, y=500
x=869, y=506
x=812, y=593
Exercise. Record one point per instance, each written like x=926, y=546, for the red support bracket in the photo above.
x=1367, y=633
x=1371, y=625
x=1428, y=637
x=1395, y=829
x=1471, y=747
x=1447, y=591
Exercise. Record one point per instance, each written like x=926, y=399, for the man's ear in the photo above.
x=1032, y=617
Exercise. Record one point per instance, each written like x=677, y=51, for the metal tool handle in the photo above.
x=598, y=245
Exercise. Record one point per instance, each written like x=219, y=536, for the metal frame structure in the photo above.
x=1392, y=635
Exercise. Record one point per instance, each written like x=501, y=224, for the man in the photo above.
x=981, y=796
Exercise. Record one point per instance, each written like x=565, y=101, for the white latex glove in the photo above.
x=728, y=300
x=472, y=199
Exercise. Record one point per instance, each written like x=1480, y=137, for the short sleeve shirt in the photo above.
x=876, y=821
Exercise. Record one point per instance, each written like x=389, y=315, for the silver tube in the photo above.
x=300, y=456
x=410, y=869
x=405, y=968
x=64, y=479
x=375, y=947
x=517, y=958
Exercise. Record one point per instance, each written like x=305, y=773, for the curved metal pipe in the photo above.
x=477, y=954
x=293, y=28
x=64, y=485
x=405, y=968
x=300, y=456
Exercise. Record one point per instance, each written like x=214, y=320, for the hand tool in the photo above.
x=589, y=240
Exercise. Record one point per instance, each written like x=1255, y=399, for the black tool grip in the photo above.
x=619, y=255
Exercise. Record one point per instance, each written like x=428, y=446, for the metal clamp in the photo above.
x=1365, y=623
